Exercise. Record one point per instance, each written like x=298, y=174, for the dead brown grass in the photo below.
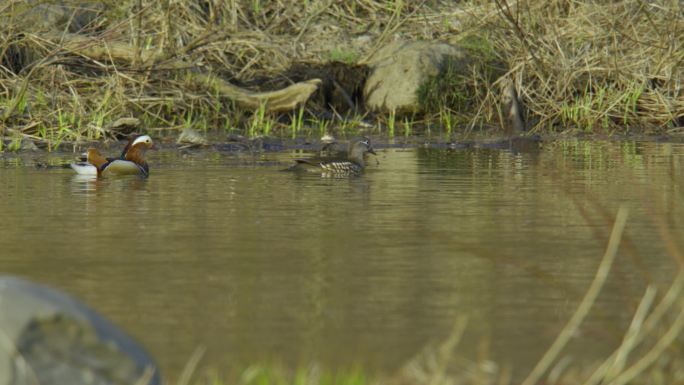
x=593, y=64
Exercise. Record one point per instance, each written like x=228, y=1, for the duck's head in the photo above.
x=360, y=147
x=138, y=142
x=136, y=148
x=143, y=142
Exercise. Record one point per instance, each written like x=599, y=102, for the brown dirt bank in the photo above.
x=71, y=67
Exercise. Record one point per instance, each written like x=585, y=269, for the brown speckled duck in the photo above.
x=353, y=165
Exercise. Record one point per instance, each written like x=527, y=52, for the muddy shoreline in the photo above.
x=41, y=158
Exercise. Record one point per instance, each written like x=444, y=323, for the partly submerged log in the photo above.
x=285, y=99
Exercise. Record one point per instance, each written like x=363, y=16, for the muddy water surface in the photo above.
x=224, y=251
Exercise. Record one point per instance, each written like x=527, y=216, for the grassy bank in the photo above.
x=577, y=66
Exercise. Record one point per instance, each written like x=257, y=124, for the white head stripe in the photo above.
x=140, y=139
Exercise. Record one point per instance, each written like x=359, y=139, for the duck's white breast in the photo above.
x=84, y=168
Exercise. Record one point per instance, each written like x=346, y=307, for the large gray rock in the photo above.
x=56, y=15
x=399, y=69
x=49, y=338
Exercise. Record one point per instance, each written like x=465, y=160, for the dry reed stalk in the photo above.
x=613, y=369
x=587, y=302
x=191, y=366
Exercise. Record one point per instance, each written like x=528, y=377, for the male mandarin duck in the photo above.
x=131, y=162
x=353, y=165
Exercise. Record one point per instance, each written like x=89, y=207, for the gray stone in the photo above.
x=191, y=137
x=28, y=145
x=399, y=69
x=58, y=15
x=49, y=338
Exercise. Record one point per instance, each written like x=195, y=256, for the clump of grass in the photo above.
x=463, y=90
x=391, y=122
x=344, y=56
x=408, y=126
x=261, y=124
x=297, y=122
x=320, y=125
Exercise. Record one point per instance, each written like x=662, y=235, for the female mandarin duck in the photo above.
x=353, y=165
x=131, y=162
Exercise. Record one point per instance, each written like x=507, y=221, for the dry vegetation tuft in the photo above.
x=593, y=64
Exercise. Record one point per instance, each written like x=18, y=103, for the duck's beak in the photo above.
x=372, y=151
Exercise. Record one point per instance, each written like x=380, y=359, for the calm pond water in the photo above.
x=223, y=251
